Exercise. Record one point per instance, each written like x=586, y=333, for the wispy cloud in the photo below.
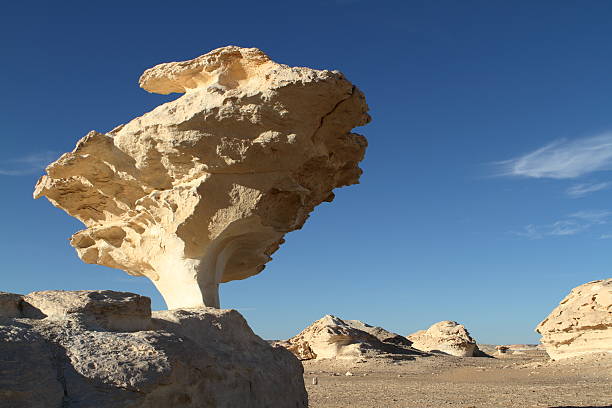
x=28, y=164
x=580, y=190
x=529, y=231
x=563, y=159
x=567, y=227
x=593, y=216
x=605, y=236
x=571, y=225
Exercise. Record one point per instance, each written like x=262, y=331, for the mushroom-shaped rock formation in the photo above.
x=201, y=190
x=446, y=336
x=333, y=338
x=581, y=324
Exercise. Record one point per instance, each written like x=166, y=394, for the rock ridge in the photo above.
x=334, y=338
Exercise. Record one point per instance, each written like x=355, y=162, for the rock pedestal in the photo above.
x=106, y=349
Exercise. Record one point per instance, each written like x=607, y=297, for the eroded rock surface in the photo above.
x=201, y=190
x=446, y=336
x=581, y=324
x=10, y=304
x=333, y=338
x=201, y=357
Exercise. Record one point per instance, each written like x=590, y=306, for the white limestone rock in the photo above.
x=581, y=324
x=104, y=309
x=200, y=357
x=202, y=190
x=333, y=338
x=447, y=337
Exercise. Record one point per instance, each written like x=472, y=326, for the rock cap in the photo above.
x=201, y=190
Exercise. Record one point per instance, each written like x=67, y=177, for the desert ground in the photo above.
x=521, y=379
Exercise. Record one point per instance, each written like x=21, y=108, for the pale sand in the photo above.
x=514, y=380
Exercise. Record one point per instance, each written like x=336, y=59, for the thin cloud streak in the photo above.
x=29, y=164
x=593, y=216
x=563, y=159
x=580, y=190
x=573, y=224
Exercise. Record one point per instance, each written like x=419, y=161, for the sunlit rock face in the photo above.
x=447, y=337
x=201, y=190
x=333, y=338
x=581, y=324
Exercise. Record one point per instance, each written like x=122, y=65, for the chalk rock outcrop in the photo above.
x=445, y=336
x=201, y=190
x=581, y=324
x=106, y=349
x=333, y=338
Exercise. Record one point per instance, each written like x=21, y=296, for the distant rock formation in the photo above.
x=333, y=338
x=581, y=324
x=448, y=337
x=105, y=349
x=202, y=190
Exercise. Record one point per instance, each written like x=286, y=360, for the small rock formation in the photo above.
x=515, y=348
x=106, y=349
x=333, y=338
x=447, y=337
x=502, y=349
x=202, y=190
x=9, y=305
x=581, y=324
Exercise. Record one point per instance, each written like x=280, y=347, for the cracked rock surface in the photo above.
x=78, y=349
x=581, y=324
x=202, y=190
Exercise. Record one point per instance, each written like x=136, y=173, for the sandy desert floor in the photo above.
x=512, y=380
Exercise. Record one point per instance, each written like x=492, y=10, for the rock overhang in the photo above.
x=201, y=190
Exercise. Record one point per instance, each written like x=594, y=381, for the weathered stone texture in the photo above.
x=447, y=337
x=201, y=357
x=581, y=324
x=202, y=190
x=333, y=338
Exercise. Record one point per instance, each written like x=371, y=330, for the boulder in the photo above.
x=333, y=338
x=10, y=304
x=201, y=357
x=104, y=309
x=581, y=324
x=447, y=337
x=202, y=190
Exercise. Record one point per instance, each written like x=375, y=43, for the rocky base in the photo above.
x=106, y=349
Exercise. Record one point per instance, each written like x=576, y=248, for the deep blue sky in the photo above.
x=438, y=229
